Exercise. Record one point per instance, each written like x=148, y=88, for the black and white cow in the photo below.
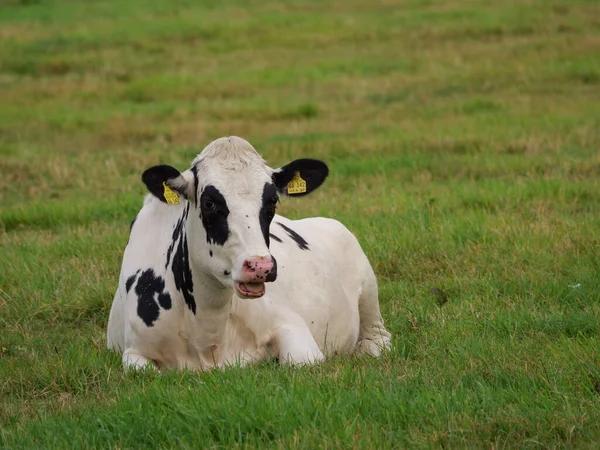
x=192, y=288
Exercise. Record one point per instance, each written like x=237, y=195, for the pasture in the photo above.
x=463, y=139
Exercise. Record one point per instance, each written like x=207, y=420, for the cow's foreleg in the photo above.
x=132, y=359
x=296, y=345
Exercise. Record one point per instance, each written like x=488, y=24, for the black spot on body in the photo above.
x=214, y=212
x=226, y=273
x=149, y=289
x=267, y=210
x=182, y=274
x=131, y=280
x=210, y=253
x=178, y=231
x=164, y=300
x=296, y=237
x=272, y=236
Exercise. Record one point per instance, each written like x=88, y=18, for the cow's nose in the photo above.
x=258, y=269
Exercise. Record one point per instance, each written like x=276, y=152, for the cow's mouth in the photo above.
x=249, y=290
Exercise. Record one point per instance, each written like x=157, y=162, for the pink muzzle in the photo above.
x=257, y=269
x=255, y=272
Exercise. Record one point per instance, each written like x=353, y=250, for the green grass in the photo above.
x=462, y=138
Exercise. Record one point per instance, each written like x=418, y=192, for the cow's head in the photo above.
x=232, y=197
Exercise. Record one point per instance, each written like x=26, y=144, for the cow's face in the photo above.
x=233, y=195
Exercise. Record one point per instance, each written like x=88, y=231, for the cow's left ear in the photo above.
x=300, y=177
x=166, y=183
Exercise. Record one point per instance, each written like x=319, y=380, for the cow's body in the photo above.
x=170, y=311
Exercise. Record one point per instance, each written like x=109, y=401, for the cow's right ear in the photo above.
x=166, y=183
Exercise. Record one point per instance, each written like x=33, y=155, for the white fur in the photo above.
x=323, y=301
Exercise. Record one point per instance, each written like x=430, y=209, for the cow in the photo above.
x=212, y=276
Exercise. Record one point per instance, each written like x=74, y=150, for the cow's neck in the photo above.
x=210, y=296
x=209, y=323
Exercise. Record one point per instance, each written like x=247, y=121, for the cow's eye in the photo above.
x=208, y=204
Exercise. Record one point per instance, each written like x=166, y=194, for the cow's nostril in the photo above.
x=259, y=268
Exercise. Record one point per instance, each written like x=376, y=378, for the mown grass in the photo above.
x=462, y=138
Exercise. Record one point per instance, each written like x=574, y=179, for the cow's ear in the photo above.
x=300, y=177
x=166, y=183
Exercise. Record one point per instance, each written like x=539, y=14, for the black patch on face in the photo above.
x=130, y=281
x=226, y=273
x=150, y=289
x=182, y=274
x=178, y=231
x=272, y=275
x=214, y=212
x=267, y=210
x=295, y=236
x=272, y=236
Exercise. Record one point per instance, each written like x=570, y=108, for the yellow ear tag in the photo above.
x=297, y=185
x=171, y=197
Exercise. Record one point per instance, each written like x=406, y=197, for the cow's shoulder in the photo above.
x=154, y=257
x=156, y=226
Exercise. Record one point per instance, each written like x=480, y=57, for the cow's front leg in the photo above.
x=132, y=359
x=296, y=345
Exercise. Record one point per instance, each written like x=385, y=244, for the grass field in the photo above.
x=463, y=138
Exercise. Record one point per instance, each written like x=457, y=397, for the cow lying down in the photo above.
x=211, y=276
